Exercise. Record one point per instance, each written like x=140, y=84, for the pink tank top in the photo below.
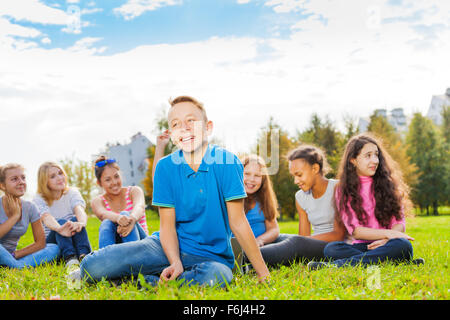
x=129, y=207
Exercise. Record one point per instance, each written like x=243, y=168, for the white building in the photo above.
x=396, y=118
x=132, y=159
x=436, y=106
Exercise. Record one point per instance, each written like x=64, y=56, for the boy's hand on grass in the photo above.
x=172, y=272
x=265, y=278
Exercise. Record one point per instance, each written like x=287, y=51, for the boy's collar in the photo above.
x=204, y=166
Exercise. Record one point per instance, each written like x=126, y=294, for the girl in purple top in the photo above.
x=371, y=199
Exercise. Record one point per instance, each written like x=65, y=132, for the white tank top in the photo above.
x=320, y=211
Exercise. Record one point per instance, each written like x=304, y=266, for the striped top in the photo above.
x=129, y=207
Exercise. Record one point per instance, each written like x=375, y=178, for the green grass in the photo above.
x=429, y=281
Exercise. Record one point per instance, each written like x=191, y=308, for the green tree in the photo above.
x=80, y=174
x=273, y=144
x=426, y=149
x=445, y=129
x=351, y=127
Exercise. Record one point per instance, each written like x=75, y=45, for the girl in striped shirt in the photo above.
x=121, y=209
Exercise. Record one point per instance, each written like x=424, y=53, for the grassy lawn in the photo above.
x=385, y=281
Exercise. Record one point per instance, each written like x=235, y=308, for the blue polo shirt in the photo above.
x=256, y=220
x=199, y=199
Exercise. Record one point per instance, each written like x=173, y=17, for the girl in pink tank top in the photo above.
x=121, y=209
x=129, y=207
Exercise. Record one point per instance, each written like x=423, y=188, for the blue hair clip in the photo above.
x=103, y=163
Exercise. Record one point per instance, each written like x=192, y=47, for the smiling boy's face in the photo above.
x=188, y=127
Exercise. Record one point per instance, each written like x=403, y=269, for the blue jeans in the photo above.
x=107, y=233
x=148, y=258
x=76, y=245
x=46, y=255
x=342, y=253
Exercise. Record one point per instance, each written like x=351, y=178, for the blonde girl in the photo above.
x=62, y=210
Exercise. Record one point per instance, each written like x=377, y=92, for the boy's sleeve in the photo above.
x=233, y=181
x=162, y=189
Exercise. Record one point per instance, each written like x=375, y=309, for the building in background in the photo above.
x=396, y=117
x=132, y=159
x=436, y=106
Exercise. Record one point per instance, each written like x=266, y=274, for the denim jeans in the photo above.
x=48, y=254
x=148, y=258
x=396, y=250
x=107, y=233
x=76, y=245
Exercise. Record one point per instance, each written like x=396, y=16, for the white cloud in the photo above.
x=10, y=29
x=46, y=40
x=33, y=11
x=135, y=8
x=243, y=1
x=85, y=45
x=284, y=6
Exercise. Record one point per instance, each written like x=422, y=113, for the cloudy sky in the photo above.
x=75, y=75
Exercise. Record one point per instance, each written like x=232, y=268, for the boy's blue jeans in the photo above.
x=48, y=254
x=107, y=233
x=148, y=258
x=76, y=245
x=342, y=253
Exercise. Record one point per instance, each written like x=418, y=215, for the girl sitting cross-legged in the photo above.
x=371, y=199
x=121, y=209
x=314, y=203
x=62, y=211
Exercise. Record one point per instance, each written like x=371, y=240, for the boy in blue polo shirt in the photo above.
x=199, y=191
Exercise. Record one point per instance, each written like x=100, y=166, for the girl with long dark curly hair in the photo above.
x=371, y=199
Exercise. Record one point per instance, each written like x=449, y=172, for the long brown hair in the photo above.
x=389, y=190
x=265, y=195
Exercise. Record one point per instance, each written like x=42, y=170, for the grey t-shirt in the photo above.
x=62, y=208
x=320, y=211
x=30, y=214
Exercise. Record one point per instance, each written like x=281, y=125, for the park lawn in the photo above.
x=385, y=281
